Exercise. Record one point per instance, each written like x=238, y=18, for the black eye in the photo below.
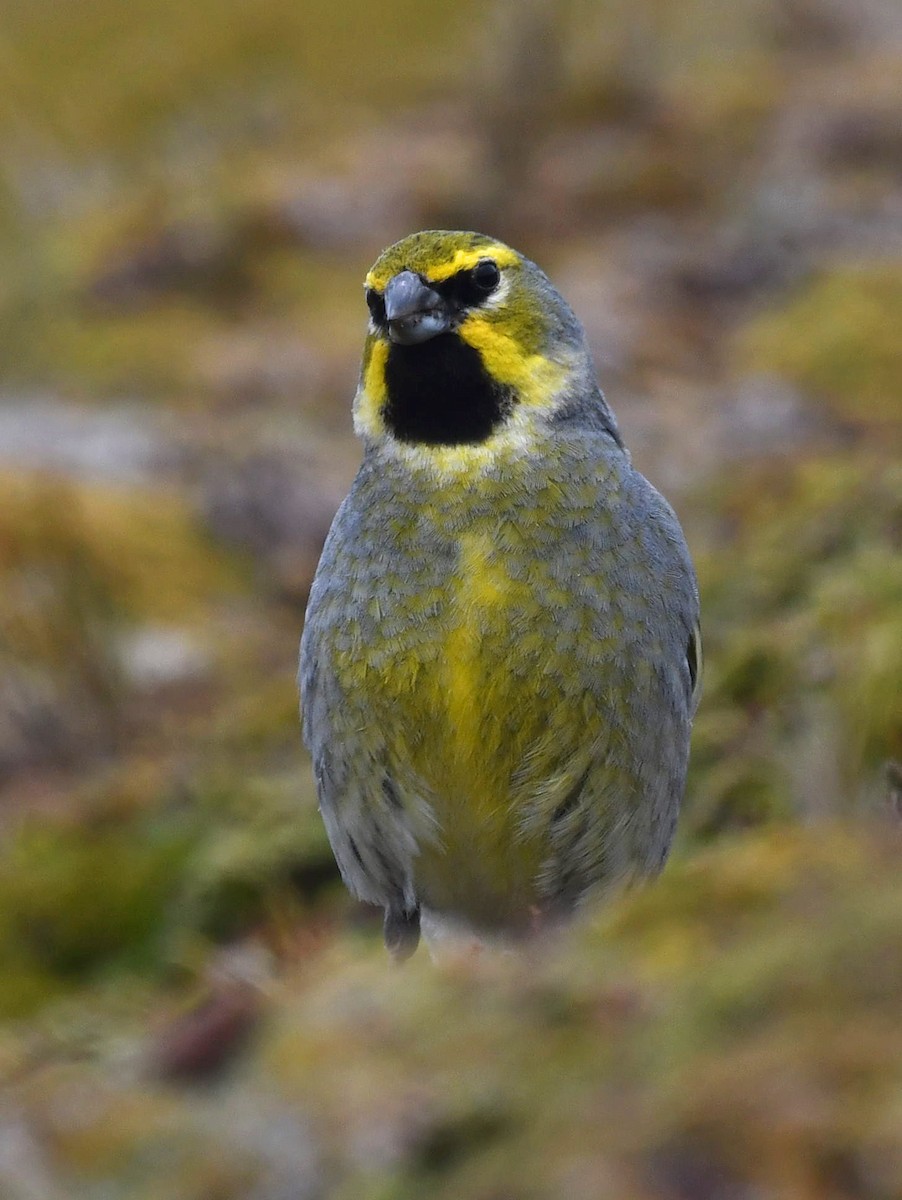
x=376, y=304
x=486, y=275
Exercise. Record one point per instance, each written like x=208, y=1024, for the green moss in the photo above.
x=859, y=609
x=137, y=554
x=740, y=791
x=152, y=351
x=263, y=847
x=146, y=870
x=609, y=1055
x=801, y=618
x=76, y=900
x=75, y=75
x=81, y=565
x=838, y=339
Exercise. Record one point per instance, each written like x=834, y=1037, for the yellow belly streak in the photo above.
x=481, y=864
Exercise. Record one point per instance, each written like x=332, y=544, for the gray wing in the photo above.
x=617, y=818
x=369, y=830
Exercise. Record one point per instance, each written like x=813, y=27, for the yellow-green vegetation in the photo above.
x=111, y=81
x=802, y=603
x=76, y=900
x=262, y=849
x=139, y=875
x=137, y=552
x=101, y=353
x=139, y=152
x=837, y=338
x=81, y=565
x=731, y=1031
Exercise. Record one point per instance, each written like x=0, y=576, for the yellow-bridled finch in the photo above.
x=500, y=660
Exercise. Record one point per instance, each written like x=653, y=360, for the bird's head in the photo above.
x=468, y=343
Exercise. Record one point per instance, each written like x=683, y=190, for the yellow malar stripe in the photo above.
x=373, y=393
x=536, y=379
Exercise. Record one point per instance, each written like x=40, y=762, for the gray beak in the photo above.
x=415, y=312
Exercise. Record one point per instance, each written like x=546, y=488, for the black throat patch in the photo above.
x=440, y=394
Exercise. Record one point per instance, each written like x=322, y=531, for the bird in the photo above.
x=501, y=655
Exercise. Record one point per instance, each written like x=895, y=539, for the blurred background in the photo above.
x=190, y=196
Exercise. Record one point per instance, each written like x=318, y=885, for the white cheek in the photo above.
x=500, y=294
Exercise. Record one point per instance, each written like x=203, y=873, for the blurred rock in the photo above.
x=894, y=788
x=608, y=301
x=275, y=506
x=198, y=257
x=26, y=1171
x=864, y=139
x=277, y=1150
x=40, y=723
x=199, y=1044
x=764, y=416
x=203, y=1042
x=156, y=656
x=735, y=266
x=119, y=445
x=353, y=210
x=259, y=364
x=813, y=27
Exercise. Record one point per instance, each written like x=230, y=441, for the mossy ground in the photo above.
x=191, y=1005
x=732, y=1031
